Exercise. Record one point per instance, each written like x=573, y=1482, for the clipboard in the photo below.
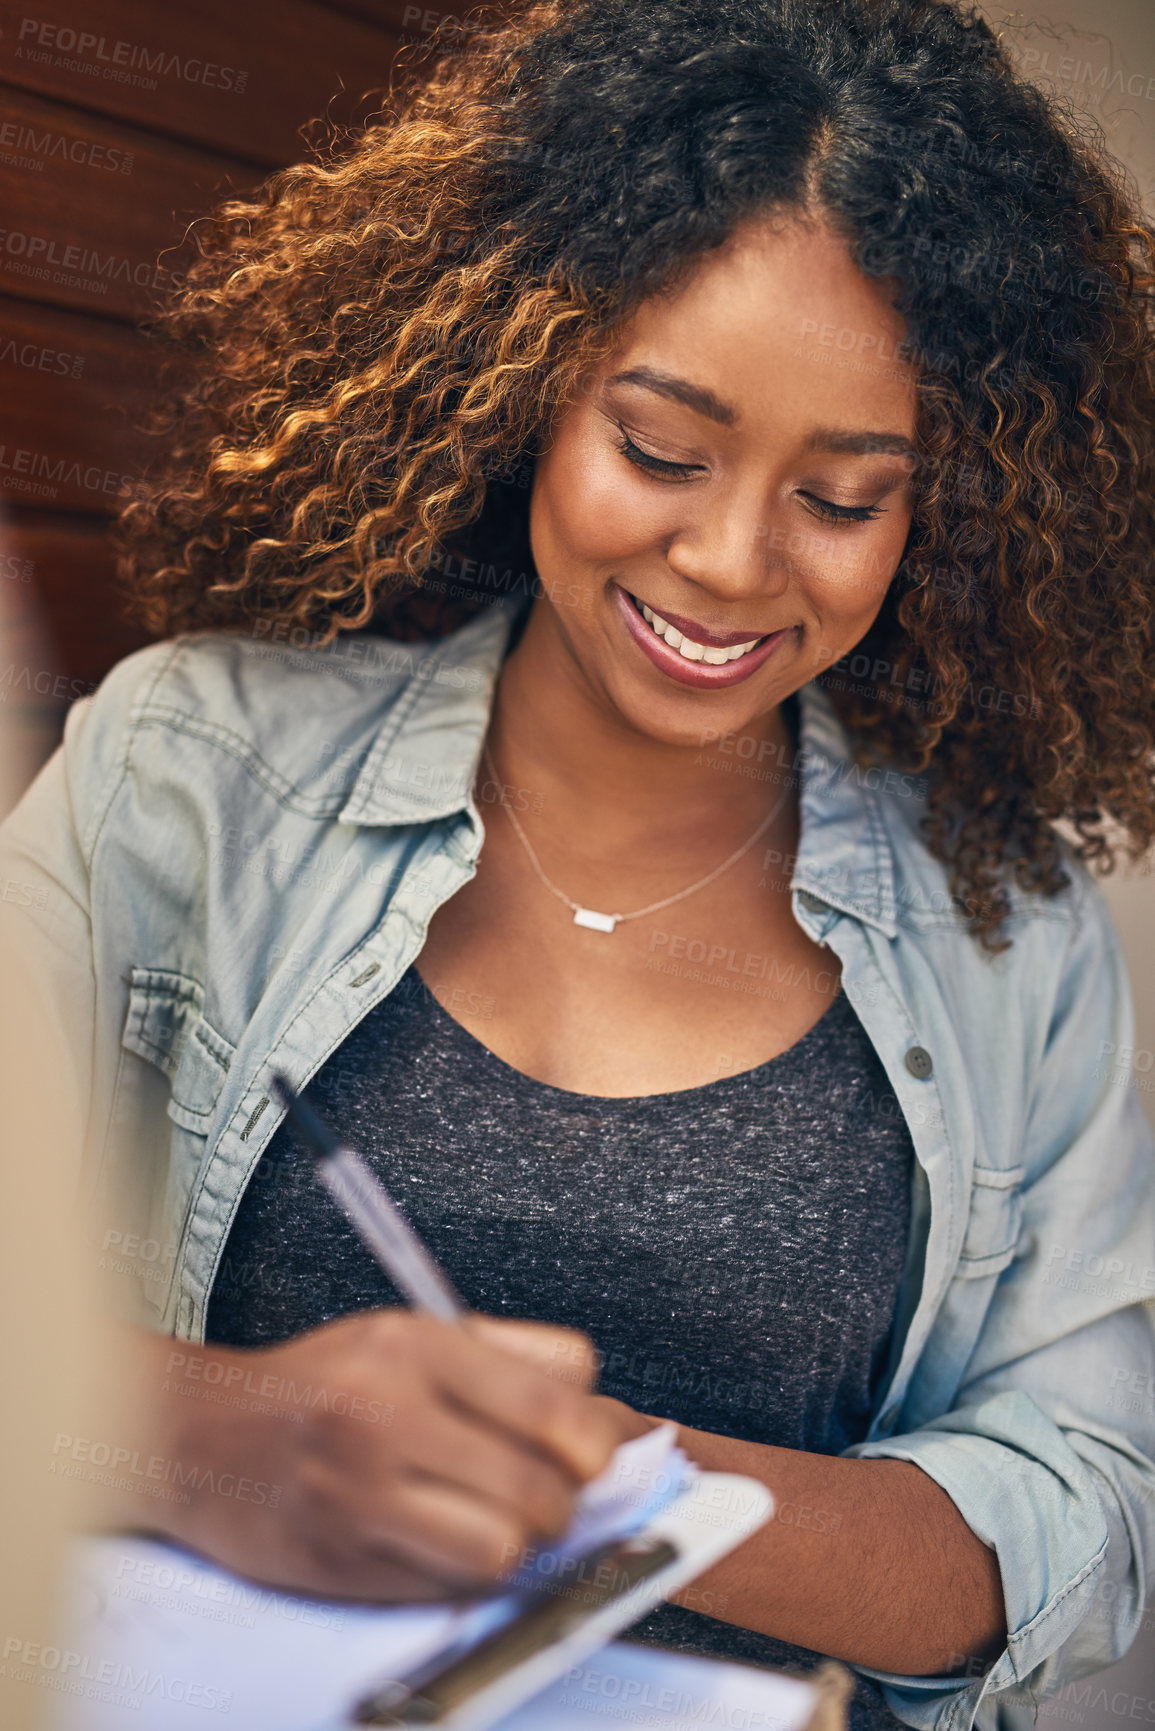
x=538, y=1635
x=150, y=1617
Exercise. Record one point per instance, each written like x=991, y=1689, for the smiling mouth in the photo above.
x=710, y=647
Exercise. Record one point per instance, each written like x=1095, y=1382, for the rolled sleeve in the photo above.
x=1047, y=1450
x=1024, y=1491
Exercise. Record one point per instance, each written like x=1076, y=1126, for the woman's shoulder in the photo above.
x=877, y=816
x=271, y=727
x=922, y=880
x=274, y=703
x=224, y=706
x=253, y=682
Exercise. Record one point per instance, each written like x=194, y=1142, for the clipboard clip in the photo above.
x=604, y=1575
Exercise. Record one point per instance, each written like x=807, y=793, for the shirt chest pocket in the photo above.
x=994, y=1221
x=166, y=1025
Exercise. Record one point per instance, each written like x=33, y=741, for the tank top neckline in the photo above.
x=525, y=1082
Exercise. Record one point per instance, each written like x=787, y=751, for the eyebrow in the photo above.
x=704, y=402
x=695, y=397
x=859, y=444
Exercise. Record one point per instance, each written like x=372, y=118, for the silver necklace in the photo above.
x=589, y=917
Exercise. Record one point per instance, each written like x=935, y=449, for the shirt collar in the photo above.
x=845, y=858
x=423, y=763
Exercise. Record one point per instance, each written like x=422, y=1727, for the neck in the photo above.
x=553, y=735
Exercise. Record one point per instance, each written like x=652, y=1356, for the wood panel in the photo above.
x=240, y=78
x=91, y=205
x=68, y=566
x=119, y=121
x=74, y=392
x=387, y=15
x=34, y=693
x=65, y=566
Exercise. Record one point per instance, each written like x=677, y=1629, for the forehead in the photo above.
x=780, y=316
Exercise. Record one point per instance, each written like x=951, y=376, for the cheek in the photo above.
x=852, y=582
x=585, y=509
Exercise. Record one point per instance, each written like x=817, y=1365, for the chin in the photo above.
x=680, y=721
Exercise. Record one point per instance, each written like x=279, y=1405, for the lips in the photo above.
x=701, y=633
x=667, y=650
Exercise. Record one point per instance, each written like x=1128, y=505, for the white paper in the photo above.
x=643, y=1477
x=208, y=1649
x=626, y=1684
x=158, y=1638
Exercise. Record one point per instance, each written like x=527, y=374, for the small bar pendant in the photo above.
x=595, y=922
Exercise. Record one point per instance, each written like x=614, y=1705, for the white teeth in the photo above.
x=688, y=648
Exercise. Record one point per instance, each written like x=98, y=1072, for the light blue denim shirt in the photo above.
x=235, y=855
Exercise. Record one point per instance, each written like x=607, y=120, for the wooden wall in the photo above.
x=120, y=120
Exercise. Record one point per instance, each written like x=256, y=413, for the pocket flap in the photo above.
x=166, y=1025
x=996, y=1213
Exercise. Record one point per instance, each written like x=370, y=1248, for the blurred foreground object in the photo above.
x=55, y=1366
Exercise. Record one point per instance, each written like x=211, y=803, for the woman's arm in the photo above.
x=866, y=1560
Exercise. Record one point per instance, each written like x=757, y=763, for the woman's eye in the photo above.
x=654, y=465
x=662, y=466
x=842, y=513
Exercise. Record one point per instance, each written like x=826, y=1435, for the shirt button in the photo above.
x=919, y=1063
x=812, y=903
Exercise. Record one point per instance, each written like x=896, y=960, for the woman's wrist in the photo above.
x=634, y=1422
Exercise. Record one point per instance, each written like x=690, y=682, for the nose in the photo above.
x=729, y=548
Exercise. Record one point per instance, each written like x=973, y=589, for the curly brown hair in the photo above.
x=383, y=334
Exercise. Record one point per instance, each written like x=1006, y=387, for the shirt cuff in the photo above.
x=1021, y=1488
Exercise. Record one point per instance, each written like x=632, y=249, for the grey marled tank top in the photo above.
x=734, y=1250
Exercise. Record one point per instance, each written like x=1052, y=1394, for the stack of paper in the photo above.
x=158, y=1638
x=644, y=1476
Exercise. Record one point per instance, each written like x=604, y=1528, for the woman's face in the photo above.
x=738, y=468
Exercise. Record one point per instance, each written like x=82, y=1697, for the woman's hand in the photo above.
x=543, y=1346
x=397, y=1457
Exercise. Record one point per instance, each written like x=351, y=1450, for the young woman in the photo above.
x=660, y=532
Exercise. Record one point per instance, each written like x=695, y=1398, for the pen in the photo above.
x=377, y=1218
